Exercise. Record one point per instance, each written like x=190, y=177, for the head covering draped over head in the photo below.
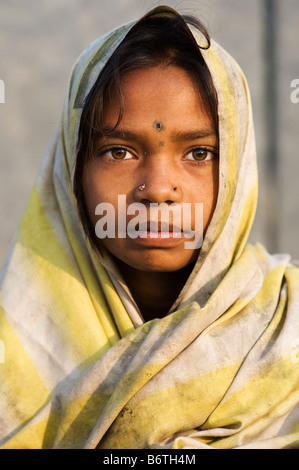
x=80, y=367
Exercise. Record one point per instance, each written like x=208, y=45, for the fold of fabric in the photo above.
x=82, y=370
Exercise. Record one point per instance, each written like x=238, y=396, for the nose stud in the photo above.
x=143, y=186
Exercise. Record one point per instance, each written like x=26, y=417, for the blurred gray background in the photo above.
x=40, y=40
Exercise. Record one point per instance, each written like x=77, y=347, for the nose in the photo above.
x=158, y=184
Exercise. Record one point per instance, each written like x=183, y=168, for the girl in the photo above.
x=114, y=340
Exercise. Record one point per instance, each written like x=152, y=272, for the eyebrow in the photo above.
x=178, y=136
x=117, y=134
x=181, y=136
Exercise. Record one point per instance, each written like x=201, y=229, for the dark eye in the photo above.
x=200, y=154
x=118, y=153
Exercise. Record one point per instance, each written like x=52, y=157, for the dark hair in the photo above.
x=156, y=39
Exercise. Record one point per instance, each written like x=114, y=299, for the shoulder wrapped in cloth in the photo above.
x=81, y=370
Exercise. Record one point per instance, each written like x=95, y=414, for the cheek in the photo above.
x=207, y=193
x=95, y=191
x=99, y=188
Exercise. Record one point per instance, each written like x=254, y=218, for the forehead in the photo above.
x=157, y=93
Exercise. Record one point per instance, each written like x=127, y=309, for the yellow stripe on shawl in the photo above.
x=246, y=220
x=274, y=383
x=40, y=434
x=229, y=121
x=22, y=384
x=184, y=410
x=58, y=278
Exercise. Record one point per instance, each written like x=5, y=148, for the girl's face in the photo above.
x=164, y=150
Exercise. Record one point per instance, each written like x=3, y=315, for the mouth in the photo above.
x=155, y=229
x=154, y=233
x=152, y=227
x=160, y=234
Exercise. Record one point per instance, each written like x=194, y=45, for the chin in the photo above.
x=158, y=262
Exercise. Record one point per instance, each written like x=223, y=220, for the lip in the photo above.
x=159, y=238
x=160, y=234
x=160, y=226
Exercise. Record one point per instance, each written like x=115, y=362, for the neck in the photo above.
x=154, y=292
